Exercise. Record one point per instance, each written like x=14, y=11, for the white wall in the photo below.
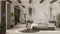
x=41, y=12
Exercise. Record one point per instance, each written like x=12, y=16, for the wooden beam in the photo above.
x=19, y=1
x=41, y=1
x=53, y=1
x=9, y=1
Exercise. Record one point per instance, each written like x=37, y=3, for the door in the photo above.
x=3, y=17
x=16, y=14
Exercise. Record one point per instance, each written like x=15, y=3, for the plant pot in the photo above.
x=2, y=28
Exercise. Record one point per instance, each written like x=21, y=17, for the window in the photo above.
x=30, y=11
x=50, y=12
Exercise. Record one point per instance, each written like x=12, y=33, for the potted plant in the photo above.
x=2, y=28
x=12, y=19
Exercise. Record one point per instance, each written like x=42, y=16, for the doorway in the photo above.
x=16, y=14
x=3, y=18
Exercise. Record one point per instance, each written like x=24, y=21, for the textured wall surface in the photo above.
x=41, y=11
